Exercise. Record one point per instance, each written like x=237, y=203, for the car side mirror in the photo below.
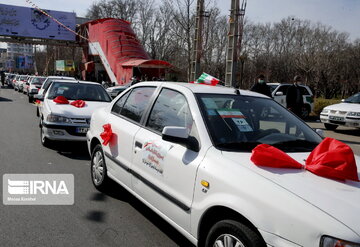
x=180, y=136
x=320, y=132
x=39, y=97
x=279, y=93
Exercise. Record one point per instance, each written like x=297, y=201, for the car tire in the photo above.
x=233, y=232
x=98, y=169
x=44, y=140
x=330, y=126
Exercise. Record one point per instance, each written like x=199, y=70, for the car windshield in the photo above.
x=48, y=81
x=78, y=91
x=354, y=99
x=240, y=123
x=38, y=80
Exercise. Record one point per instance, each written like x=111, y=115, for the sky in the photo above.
x=342, y=15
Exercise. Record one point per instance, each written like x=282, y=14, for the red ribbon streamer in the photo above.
x=78, y=103
x=266, y=155
x=106, y=134
x=330, y=159
x=61, y=100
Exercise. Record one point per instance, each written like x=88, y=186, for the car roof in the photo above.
x=78, y=81
x=61, y=77
x=201, y=88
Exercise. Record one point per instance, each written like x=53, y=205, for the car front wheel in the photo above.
x=330, y=126
x=232, y=233
x=44, y=140
x=98, y=168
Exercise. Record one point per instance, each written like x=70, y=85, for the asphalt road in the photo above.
x=96, y=219
x=350, y=136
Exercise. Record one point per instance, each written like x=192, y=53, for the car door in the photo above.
x=281, y=99
x=124, y=119
x=164, y=172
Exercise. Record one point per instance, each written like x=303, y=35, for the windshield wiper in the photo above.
x=296, y=145
x=246, y=146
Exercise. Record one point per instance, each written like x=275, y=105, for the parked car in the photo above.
x=279, y=91
x=46, y=84
x=116, y=90
x=9, y=78
x=346, y=113
x=65, y=122
x=19, y=81
x=184, y=150
x=33, y=86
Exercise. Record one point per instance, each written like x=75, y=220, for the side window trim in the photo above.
x=140, y=122
x=158, y=92
x=113, y=112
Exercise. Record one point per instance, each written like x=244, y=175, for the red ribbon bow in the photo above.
x=106, y=134
x=331, y=159
x=78, y=103
x=61, y=100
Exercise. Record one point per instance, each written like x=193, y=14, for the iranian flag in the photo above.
x=207, y=79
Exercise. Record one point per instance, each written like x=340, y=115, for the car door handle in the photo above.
x=138, y=144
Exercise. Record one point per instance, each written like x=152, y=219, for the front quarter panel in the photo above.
x=269, y=207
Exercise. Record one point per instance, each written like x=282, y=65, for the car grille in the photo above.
x=338, y=112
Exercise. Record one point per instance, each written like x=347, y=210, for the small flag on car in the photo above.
x=207, y=79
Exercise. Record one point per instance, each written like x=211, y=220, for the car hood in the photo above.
x=71, y=111
x=344, y=107
x=339, y=199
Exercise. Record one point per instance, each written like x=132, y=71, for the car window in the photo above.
x=239, y=122
x=78, y=91
x=120, y=103
x=353, y=99
x=137, y=102
x=170, y=109
x=283, y=89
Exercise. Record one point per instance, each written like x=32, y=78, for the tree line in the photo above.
x=327, y=59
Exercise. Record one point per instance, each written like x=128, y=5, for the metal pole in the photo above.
x=197, y=50
x=232, y=45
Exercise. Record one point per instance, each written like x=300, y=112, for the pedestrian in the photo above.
x=260, y=86
x=294, y=97
x=2, y=78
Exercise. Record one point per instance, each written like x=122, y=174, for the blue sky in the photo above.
x=342, y=15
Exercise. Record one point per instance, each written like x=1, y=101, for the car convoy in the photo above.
x=185, y=151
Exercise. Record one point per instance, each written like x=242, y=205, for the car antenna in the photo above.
x=237, y=91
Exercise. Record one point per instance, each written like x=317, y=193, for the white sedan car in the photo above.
x=184, y=150
x=65, y=120
x=346, y=113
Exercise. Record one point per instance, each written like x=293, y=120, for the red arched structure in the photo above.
x=121, y=53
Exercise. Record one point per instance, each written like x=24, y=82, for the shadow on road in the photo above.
x=72, y=150
x=98, y=216
x=351, y=132
x=118, y=192
x=5, y=99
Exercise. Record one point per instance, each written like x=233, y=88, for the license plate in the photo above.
x=82, y=130
x=336, y=118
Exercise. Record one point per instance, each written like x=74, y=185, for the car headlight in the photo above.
x=57, y=119
x=353, y=114
x=325, y=111
x=327, y=241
